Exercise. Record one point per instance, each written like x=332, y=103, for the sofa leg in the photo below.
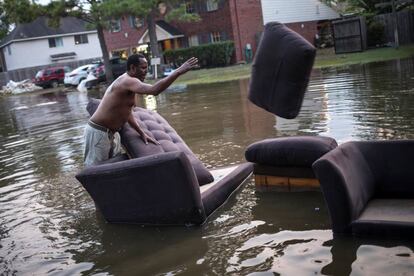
x=285, y=183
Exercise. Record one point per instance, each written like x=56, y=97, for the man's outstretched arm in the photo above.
x=155, y=89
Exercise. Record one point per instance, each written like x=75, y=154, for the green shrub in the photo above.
x=375, y=34
x=209, y=55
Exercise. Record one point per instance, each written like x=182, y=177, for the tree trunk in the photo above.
x=105, y=54
x=153, y=34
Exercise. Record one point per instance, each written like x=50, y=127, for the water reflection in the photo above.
x=48, y=223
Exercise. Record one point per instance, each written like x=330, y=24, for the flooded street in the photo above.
x=48, y=223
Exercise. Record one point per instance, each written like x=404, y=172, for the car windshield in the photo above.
x=82, y=68
x=39, y=74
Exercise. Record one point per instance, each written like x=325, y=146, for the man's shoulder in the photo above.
x=125, y=78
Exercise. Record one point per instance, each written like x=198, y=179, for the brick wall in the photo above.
x=213, y=21
x=306, y=29
x=247, y=22
x=125, y=39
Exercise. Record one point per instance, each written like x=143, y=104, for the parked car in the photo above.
x=168, y=71
x=51, y=77
x=79, y=74
x=118, y=68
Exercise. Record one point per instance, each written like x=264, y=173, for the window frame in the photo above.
x=57, y=42
x=112, y=23
x=192, y=39
x=135, y=22
x=211, y=5
x=189, y=8
x=82, y=39
x=215, y=37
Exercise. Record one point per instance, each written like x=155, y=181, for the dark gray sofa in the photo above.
x=161, y=184
x=369, y=187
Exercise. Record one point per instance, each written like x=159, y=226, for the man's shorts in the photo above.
x=100, y=144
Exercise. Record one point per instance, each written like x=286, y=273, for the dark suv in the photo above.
x=51, y=77
x=118, y=68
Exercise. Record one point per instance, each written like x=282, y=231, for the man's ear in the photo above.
x=133, y=68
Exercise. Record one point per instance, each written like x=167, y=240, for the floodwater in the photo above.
x=48, y=223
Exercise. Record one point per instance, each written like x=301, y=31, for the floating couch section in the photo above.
x=281, y=71
x=368, y=187
x=285, y=164
x=160, y=187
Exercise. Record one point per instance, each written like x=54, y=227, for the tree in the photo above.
x=11, y=13
x=367, y=7
x=95, y=12
x=98, y=14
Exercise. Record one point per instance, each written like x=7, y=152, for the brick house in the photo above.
x=220, y=20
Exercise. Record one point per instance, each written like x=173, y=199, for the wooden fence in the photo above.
x=349, y=35
x=405, y=24
x=29, y=73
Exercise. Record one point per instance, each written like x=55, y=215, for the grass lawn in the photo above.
x=324, y=58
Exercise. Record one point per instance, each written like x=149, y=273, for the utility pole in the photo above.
x=394, y=20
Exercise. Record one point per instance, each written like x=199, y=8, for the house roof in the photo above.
x=164, y=31
x=169, y=28
x=39, y=28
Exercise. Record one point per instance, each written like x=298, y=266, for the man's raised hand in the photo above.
x=188, y=65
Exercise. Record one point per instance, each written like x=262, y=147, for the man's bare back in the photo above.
x=116, y=105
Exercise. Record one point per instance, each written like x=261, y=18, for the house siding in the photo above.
x=33, y=53
x=293, y=11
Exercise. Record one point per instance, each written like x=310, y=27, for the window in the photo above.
x=189, y=8
x=55, y=42
x=193, y=40
x=81, y=39
x=212, y=5
x=115, y=25
x=135, y=22
x=215, y=37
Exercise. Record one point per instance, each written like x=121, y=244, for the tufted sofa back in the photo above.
x=157, y=127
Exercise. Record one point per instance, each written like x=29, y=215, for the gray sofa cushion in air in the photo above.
x=281, y=70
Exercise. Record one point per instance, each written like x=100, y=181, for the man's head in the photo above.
x=137, y=66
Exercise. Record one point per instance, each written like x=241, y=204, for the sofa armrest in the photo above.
x=347, y=184
x=159, y=189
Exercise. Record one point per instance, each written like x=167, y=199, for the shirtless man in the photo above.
x=102, y=140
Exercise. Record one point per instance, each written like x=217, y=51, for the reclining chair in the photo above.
x=162, y=184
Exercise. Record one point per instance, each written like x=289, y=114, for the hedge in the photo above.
x=209, y=55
